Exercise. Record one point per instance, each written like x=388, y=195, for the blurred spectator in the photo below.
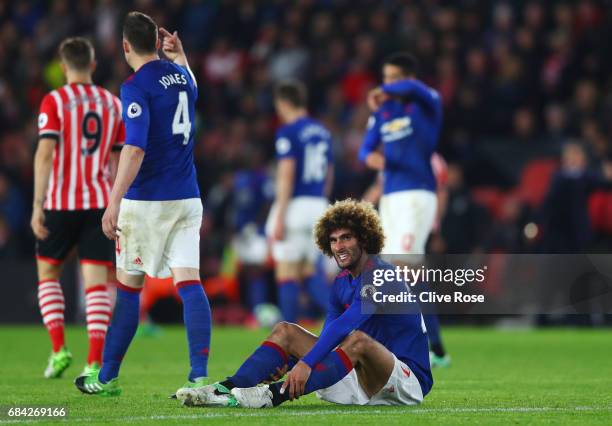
x=12, y=205
x=565, y=220
x=465, y=222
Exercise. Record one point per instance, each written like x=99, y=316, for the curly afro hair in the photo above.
x=358, y=216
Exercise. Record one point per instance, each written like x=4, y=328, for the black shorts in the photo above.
x=81, y=228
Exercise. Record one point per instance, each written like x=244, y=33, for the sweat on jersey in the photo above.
x=309, y=144
x=408, y=125
x=399, y=328
x=159, y=114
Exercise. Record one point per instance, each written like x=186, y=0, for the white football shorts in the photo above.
x=251, y=247
x=298, y=245
x=402, y=388
x=407, y=218
x=158, y=235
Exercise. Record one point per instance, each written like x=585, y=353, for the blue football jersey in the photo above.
x=253, y=190
x=399, y=328
x=159, y=114
x=309, y=144
x=408, y=125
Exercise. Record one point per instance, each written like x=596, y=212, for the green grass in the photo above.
x=523, y=376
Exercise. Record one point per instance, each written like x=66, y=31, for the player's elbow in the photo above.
x=133, y=152
x=44, y=153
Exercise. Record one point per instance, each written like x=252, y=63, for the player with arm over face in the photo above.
x=365, y=355
x=303, y=183
x=406, y=119
x=155, y=212
x=79, y=127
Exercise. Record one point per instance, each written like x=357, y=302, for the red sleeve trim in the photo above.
x=345, y=359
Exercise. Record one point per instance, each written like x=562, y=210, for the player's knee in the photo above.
x=281, y=333
x=48, y=271
x=356, y=343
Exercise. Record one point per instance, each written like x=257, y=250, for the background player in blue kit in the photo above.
x=303, y=183
x=155, y=211
x=252, y=194
x=407, y=119
x=363, y=355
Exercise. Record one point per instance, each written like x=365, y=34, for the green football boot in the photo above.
x=91, y=385
x=58, y=362
x=91, y=369
x=439, y=361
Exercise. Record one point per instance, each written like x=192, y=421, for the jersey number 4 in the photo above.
x=181, y=124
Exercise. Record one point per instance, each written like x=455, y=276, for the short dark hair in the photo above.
x=141, y=32
x=292, y=91
x=405, y=61
x=77, y=53
x=359, y=217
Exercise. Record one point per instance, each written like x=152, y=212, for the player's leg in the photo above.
x=96, y=254
x=286, y=343
x=423, y=205
x=120, y=334
x=373, y=364
x=52, y=305
x=252, y=251
x=277, y=354
x=315, y=282
x=183, y=257
x=287, y=254
x=405, y=246
x=98, y=310
x=197, y=318
x=287, y=275
x=50, y=255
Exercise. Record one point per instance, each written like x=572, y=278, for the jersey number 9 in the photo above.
x=91, y=128
x=181, y=124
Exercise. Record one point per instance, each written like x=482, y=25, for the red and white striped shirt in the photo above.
x=85, y=119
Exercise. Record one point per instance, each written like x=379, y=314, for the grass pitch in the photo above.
x=523, y=376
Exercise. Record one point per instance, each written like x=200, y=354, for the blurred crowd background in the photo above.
x=519, y=80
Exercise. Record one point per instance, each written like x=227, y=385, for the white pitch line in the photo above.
x=318, y=412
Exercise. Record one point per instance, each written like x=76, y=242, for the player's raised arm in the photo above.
x=172, y=46
x=416, y=90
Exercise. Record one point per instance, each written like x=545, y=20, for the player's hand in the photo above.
x=171, y=45
x=109, y=222
x=38, y=223
x=376, y=97
x=296, y=380
x=278, y=233
x=275, y=377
